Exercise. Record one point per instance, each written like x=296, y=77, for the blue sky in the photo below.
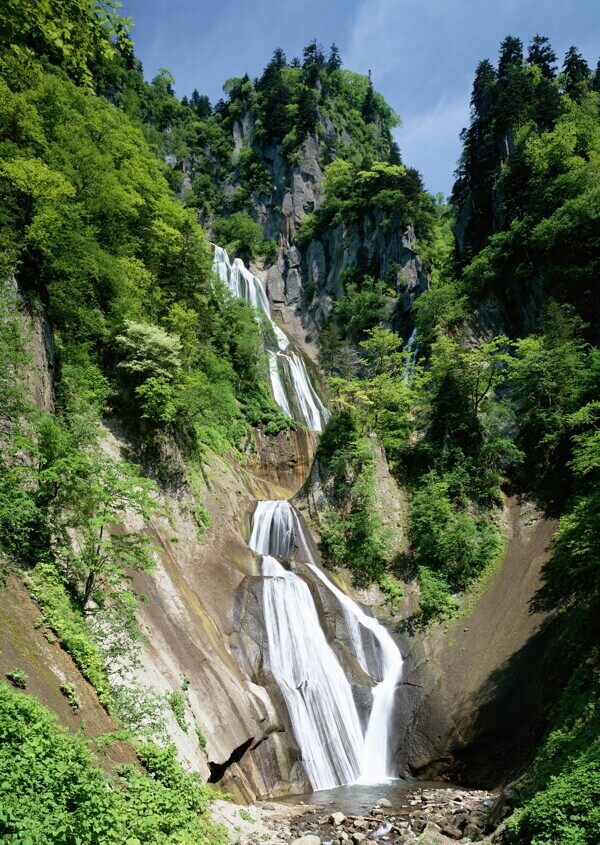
x=422, y=53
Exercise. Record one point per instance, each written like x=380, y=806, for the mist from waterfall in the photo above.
x=286, y=365
x=315, y=688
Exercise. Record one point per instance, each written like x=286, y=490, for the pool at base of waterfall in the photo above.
x=358, y=798
x=399, y=812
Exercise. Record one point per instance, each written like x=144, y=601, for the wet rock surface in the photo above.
x=440, y=815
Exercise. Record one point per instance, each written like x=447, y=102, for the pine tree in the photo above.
x=369, y=109
x=272, y=86
x=484, y=89
x=576, y=73
x=334, y=62
x=200, y=104
x=314, y=61
x=596, y=78
x=511, y=55
x=542, y=55
x=308, y=112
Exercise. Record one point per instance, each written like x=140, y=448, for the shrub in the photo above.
x=177, y=705
x=17, y=677
x=70, y=693
x=53, y=791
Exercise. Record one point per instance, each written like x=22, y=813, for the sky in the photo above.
x=422, y=53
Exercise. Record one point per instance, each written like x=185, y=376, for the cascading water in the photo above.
x=285, y=364
x=316, y=691
x=412, y=351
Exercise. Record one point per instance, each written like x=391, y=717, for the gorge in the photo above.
x=298, y=463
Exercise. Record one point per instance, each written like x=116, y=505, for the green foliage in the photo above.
x=140, y=710
x=352, y=534
x=62, y=615
x=17, y=677
x=53, y=791
x=70, y=693
x=446, y=538
x=177, y=705
x=351, y=191
x=242, y=236
x=70, y=33
x=435, y=601
x=561, y=794
x=363, y=308
x=201, y=737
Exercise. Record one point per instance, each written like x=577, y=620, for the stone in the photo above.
x=472, y=830
x=307, y=839
x=361, y=824
x=337, y=818
x=452, y=832
x=384, y=802
x=357, y=838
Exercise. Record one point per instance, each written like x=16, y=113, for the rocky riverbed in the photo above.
x=427, y=816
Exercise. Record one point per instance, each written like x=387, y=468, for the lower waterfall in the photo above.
x=314, y=686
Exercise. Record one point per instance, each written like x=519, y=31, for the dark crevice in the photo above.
x=217, y=770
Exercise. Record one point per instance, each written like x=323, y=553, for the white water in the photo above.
x=282, y=361
x=411, y=359
x=316, y=690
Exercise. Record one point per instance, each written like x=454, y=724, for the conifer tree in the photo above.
x=576, y=73
x=334, y=62
x=369, y=109
x=511, y=55
x=542, y=55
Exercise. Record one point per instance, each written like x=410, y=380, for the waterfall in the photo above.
x=285, y=364
x=316, y=691
x=411, y=359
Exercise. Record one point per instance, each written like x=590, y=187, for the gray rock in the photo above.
x=337, y=818
x=452, y=832
x=307, y=839
x=384, y=802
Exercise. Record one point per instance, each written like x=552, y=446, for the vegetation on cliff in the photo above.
x=506, y=389
x=103, y=177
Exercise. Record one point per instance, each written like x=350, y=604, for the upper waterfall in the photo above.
x=316, y=691
x=292, y=387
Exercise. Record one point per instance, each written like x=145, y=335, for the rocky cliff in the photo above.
x=308, y=277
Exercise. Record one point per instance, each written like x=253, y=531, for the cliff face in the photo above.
x=307, y=279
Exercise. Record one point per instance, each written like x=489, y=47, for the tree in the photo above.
x=596, y=78
x=308, y=111
x=70, y=34
x=542, y=55
x=484, y=90
x=275, y=94
x=576, y=73
x=369, y=107
x=87, y=497
x=201, y=104
x=511, y=55
x=151, y=358
x=334, y=62
x=313, y=62
x=381, y=350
